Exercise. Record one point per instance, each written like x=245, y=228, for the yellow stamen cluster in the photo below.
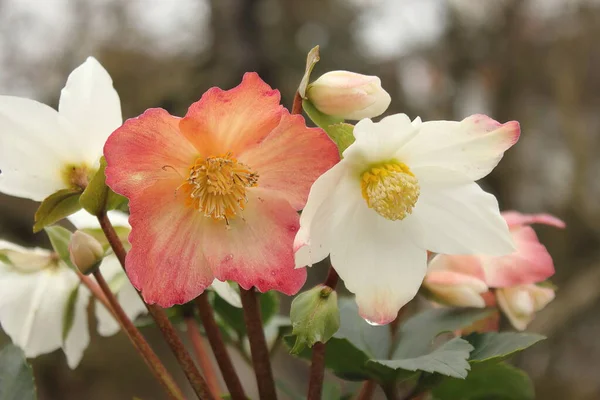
x=76, y=176
x=217, y=186
x=390, y=189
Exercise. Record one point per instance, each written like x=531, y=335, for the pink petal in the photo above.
x=291, y=158
x=515, y=219
x=146, y=150
x=257, y=248
x=166, y=261
x=467, y=265
x=529, y=264
x=233, y=120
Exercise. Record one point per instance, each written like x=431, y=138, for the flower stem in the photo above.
x=317, y=366
x=367, y=391
x=140, y=344
x=390, y=391
x=202, y=356
x=230, y=376
x=297, y=104
x=258, y=345
x=160, y=318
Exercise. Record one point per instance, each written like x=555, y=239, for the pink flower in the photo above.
x=215, y=194
x=520, y=303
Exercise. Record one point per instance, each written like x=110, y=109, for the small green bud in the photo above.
x=86, y=252
x=315, y=317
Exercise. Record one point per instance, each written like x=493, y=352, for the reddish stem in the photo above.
x=202, y=356
x=367, y=390
x=297, y=104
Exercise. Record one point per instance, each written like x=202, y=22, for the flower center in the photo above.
x=76, y=176
x=217, y=186
x=391, y=189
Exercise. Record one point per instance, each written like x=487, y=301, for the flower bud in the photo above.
x=86, y=252
x=520, y=303
x=455, y=288
x=348, y=95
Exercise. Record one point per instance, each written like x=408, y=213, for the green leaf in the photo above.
x=321, y=120
x=60, y=238
x=311, y=60
x=416, y=336
x=56, y=207
x=494, y=346
x=342, y=135
x=315, y=317
x=487, y=382
x=449, y=359
x=16, y=376
x=233, y=318
x=115, y=201
x=93, y=199
x=69, y=316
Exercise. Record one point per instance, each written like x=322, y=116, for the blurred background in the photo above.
x=535, y=61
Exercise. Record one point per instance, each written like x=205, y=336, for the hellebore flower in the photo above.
x=520, y=303
x=215, y=194
x=36, y=286
x=348, y=95
x=456, y=282
x=404, y=188
x=43, y=150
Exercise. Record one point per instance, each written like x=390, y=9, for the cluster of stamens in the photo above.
x=390, y=189
x=217, y=186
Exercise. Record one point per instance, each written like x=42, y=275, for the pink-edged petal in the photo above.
x=456, y=289
x=166, y=261
x=531, y=262
x=472, y=147
x=516, y=219
x=145, y=151
x=233, y=120
x=464, y=264
x=459, y=218
x=378, y=262
x=291, y=158
x=256, y=249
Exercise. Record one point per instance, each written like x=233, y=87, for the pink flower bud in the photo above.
x=348, y=95
x=86, y=252
x=520, y=303
x=455, y=288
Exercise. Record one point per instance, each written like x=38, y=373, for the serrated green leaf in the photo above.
x=311, y=60
x=69, y=315
x=56, y=207
x=494, y=346
x=487, y=382
x=93, y=199
x=315, y=317
x=16, y=376
x=416, y=335
x=449, y=359
x=321, y=120
x=342, y=134
x=60, y=238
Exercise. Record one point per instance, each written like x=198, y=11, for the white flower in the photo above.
x=348, y=95
x=43, y=150
x=402, y=189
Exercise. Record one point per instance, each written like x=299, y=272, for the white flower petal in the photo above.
x=23, y=259
x=459, y=218
x=311, y=242
x=32, y=307
x=472, y=147
x=78, y=338
x=227, y=293
x=84, y=220
x=377, y=142
x=92, y=105
x=35, y=146
x=378, y=262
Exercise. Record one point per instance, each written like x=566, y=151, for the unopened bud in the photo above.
x=520, y=303
x=315, y=317
x=348, y=95
x=455, y=288
x=86, y=252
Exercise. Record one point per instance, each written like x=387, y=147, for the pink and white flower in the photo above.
x=404, y=188
x=520, y=303
x=215, y=194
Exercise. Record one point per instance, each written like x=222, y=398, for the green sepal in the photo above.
x=311, y=60
x=16, y=375
x=60, y=238
x=342, y=135
x=93, y=199
x=69, y=315
x=323, y=121
x=56, y=207
x=315, y=317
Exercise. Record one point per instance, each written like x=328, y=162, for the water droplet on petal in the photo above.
x=229, y=257
x=372, y=323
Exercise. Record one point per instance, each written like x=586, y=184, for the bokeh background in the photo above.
x=535, y=61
